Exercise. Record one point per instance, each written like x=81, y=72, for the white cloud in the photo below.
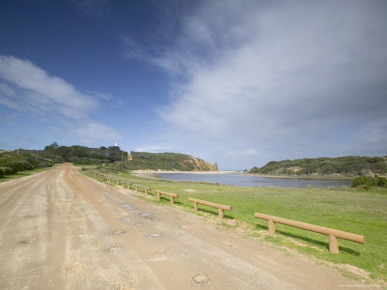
x=97, y=8
x=154, y=149
x=34, y=89
x=290, y=79
x=133, y=50
x=6, y=90
x=91, y=133
x=247, y=152
x=28, y=89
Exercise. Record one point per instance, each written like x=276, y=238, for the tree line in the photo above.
x=12, y=162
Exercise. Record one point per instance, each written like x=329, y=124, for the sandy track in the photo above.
x=62, y=230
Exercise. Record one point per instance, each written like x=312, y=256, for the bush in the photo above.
x=349, y=165
x=381, y=181
x=368, y=182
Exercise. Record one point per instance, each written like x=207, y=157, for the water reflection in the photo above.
x=240, y=179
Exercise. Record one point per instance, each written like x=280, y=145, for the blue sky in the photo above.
x=236, y=82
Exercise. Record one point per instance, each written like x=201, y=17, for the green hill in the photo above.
x=168, y=161
x=348, y=166
x=112, y=157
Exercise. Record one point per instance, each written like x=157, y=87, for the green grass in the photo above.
x=356, y=211
x=24, y=173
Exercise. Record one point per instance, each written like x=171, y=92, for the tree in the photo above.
x=51, y=147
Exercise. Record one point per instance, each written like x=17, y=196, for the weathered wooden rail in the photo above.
x=172, y=196
x=112, y=180
x=139, y=187
x=220, y=207
x=333, y=234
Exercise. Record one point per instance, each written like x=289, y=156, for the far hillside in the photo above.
x=167, y=161
x=110, y=158
x=12, y=162
x=348, y=166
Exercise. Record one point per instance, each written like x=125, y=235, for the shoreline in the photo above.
x=146, y=171
x=303, y=176
x=153, y=174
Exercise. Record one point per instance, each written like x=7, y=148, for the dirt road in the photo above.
x=62, y=230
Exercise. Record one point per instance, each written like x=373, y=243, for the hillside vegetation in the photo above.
x=349, y=166
x=164, y=161
x=111, y=158
x=12, y=162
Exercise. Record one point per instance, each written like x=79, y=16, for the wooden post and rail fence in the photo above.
x=143, y=188
x=220, y=207
x=112, y=180
x=333, y=234
x=172, y=196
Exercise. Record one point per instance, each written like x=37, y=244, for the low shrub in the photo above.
x=368, y=182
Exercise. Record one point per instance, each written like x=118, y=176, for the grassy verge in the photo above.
x=24, y=173
x=357, y=211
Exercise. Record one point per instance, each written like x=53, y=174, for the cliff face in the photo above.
x=201, y=165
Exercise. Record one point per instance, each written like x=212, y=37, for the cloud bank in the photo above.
x=26, y=88
x=279, y=80
x=29, y=88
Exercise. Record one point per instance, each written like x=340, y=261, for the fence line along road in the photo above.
x=333, y=234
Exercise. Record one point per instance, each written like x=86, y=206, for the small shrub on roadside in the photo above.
x=368, y=182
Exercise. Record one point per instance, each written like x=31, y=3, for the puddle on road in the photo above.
x=118, y=232
x=146, y=215
x=27, y=241
x=128, y=206
x=158, y=258
x=153, y=235
x=200, y=279
x=112, y=249
x=30, y=216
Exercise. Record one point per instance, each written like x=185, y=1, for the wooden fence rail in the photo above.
x=171, y=195
x=333, y=234
x=112, y=180
x=221, y=207
x=143, y=188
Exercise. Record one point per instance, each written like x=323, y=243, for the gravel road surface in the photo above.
x=62, y=230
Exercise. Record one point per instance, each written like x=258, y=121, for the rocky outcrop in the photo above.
x=201, y=165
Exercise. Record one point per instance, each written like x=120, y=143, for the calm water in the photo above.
x=240, y=179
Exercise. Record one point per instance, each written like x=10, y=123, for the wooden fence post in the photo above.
x=333, y=244
x=271, y=227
